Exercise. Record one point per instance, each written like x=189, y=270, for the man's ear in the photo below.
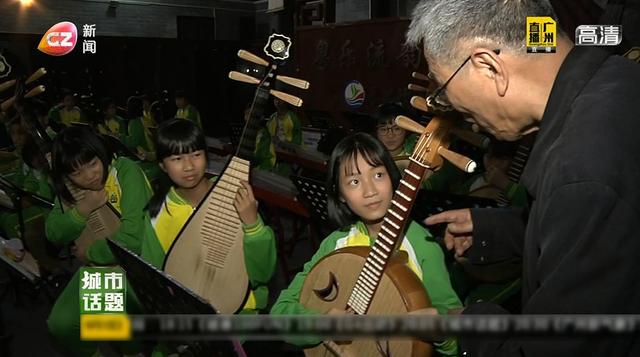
x=161, y=164
x=489, y=63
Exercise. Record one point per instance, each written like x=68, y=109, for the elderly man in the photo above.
x=578, y=240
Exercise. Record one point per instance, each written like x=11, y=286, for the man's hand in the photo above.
x=459, y=232
x=91, y=201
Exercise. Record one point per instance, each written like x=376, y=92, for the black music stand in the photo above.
x=17, y=194
x=314, y=196
x=160, y=294
x=236, y=133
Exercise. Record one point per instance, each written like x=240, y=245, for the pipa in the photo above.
x=207, y=256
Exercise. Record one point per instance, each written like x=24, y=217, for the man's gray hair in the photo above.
x=441, y=25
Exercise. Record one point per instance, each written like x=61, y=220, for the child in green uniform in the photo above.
x=360, y=185
x=112, y=123
x=136, y=139
x=394, y=138
x=181, y=151
x=283, y=126
x=186, y=110
x=80, y=157
x=66, y=112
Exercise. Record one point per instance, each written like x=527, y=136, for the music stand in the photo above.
x=314, y=197
x=236, y=132
x=16, y=198
x=160, y=294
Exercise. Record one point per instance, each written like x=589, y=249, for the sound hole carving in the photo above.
x=330, y=292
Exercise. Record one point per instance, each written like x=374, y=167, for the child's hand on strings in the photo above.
x=91, y=201
x=246, y=204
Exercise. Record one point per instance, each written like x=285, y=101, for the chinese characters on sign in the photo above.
x=89, y=31
x=102, y=291
x=375, y=54
x=322, y=55
x=598, y=35
x=103, y=305
x=409, y=57
x=541, y=35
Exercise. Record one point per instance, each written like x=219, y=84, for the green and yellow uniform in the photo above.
x=190, y=113
x=115, y=126
x=66, y=117
x=426, y=260
x=283, y=127
x=259, y=246
x=128, y=192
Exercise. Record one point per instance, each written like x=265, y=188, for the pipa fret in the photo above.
x=391, y=230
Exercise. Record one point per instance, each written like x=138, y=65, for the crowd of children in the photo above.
x=153, y=173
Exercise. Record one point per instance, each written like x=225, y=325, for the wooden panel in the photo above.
x=369, y=51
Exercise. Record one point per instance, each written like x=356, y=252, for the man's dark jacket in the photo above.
x=580, y=240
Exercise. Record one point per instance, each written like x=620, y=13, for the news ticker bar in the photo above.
x=270, y=327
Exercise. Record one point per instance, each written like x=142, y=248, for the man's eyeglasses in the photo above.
x=438, y=99
x=386, y=130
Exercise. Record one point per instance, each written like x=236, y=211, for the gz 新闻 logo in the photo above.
x=60, y=39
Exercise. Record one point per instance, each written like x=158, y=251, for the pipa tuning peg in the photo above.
x=419, y=103
x=300, y=83
x=291, y=99
x=471, y=137
x=417, y=88
x=241, y=77
x=409, y=124
x=460, y=161
x=420, y=76
x=248, y=56
x=30, y=94
x=6, y=85
x=36, y=75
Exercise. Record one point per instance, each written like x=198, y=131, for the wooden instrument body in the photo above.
x=329, y=285
x=101, y=223
x=208, y=254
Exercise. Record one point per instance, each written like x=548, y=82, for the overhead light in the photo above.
x=26, y=3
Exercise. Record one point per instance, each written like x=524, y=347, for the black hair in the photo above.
x=181, y=93
x=73, y=147
x=174, y=137
x=347, y=150
x=134, y=107
x=65, y=92
x=387, y=112
x=39, y=108
x=31, y=154
x=156, y=112
x=105, y=103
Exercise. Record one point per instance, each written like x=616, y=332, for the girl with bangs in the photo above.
x=181, y=152
x=361, y=181
x=79, y=157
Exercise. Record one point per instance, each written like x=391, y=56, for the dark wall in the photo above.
x=155, y=19
x=124, y=66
